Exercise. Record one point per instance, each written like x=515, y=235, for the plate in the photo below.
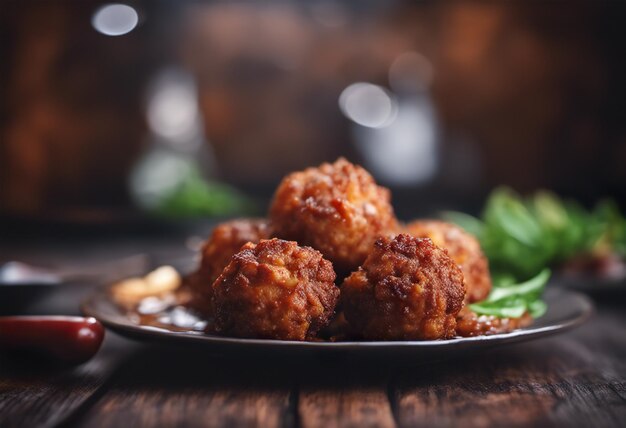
x=566, y=309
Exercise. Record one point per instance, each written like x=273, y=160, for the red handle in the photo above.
x=69, y=339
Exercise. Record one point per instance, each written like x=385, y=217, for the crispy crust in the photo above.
x=275, y=290
x=407, y=289
x=464, y=250
x=225, y=241
x=336, y=208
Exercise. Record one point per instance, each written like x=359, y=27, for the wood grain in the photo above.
x=36, y=396
x=187, y=387
x=564, y=381
x=577, y=379
x=150, y=406
x=357, y=407
x=344, y=392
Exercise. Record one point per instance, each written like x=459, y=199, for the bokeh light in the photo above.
x=172, y=108
x=405, y=152
x=115, y=19
x=368, y=105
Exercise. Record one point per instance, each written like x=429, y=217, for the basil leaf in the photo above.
x=537, y=308
x=505, y=211
x=549, y=211
x=514, y=308
x=521, y=237
x=502, y=279
x=513, y=301
x=532, y=286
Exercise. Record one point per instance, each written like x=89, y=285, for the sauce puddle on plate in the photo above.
x=171, y=312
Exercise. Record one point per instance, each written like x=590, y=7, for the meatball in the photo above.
x=469, y=324
x=275, y=290
x=336, y=208
x=225, y=240
x=464, y=250
x=407, y=289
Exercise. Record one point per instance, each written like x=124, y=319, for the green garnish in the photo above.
x=512, y=301
x=522, y=236
x=196, y=196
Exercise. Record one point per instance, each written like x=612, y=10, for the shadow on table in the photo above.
x=166, y=366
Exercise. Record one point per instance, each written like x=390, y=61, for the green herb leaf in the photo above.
x=504, y=210
x=534, y=285
x=512, y=308
x=537, y=308
x=513, y=301
x=523, y=236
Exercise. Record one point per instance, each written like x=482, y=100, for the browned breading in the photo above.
x=225, y=240
x=336, y=208
x=463, y=248
x=407, y=289
x=275, y=290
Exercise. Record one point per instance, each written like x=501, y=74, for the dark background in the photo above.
x=526, y=94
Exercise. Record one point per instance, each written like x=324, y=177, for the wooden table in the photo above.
x=576, y=379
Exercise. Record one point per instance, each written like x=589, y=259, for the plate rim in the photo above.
x=88, y=308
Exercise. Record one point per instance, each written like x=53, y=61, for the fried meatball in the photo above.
x=336, y=208
x=407, y=289
x=464, y=250
x=225, y=240
x=469, y=324
x=275, y=290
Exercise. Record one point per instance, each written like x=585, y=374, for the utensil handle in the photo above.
x=67, y=339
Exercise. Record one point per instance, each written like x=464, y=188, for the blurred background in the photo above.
x=185, y=109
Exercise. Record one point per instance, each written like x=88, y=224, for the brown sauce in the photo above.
x=470, y=324
x=171, y=313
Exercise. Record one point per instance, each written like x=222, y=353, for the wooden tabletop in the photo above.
x=575, y=379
